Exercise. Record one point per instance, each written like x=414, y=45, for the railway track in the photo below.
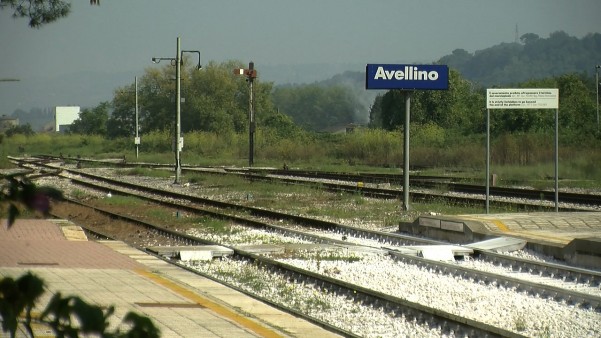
x=379, y=238
x=452, y=184
x=429, y=317
x=555, y=293
x=531, y=199
x=424, y=188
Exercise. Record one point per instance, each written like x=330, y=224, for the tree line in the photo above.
x=532, y=57
x=216, y=101
x=461, y=108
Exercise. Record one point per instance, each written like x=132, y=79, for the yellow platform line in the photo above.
x=500, y=225
x=221, y=310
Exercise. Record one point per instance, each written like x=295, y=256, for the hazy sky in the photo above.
x=124, y=35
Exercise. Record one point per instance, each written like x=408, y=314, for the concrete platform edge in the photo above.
x=583, y=252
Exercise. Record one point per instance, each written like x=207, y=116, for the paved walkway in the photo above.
x=106, y=273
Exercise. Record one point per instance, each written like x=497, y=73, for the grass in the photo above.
x=578, y=168
x=329, y=255
x=519, y=323
x=215, y=226
x=365, y=151
x=308, y=201
x=120, y=200
x=138, y=171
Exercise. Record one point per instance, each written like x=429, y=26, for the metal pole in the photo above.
x=406, y=152
x=251, y=117
x=557, y=160
x=597, y=85
x=136, y=141
x=178, y=168
x=487, y=161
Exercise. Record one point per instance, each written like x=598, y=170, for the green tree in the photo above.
x=529, y=38
x=458, y=108
x=213, y=100
x=375, y=113
x=316, y=107
x=280, y=126
x=92, y=121
x=533, y=58
x=20, y=129
x=156, y=98
x=122, y=121
x=393, y=109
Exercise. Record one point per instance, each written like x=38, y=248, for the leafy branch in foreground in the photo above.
x=40, y=12
x=19, y=191
x=67, y=316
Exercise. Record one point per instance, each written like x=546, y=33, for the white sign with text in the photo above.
x=522, y=98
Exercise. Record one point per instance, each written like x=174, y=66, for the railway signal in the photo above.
x=251, y=74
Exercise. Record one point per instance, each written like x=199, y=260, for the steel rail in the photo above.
x=531, y=288
x=433, y=182
x=559, y=271
x=398, y=194
x=550, y=269
x=190, y=241
x=430, y=182
x=425, y=315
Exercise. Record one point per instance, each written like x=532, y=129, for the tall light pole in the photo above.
x=137, y=139
x=597, y=85
x=178, y=128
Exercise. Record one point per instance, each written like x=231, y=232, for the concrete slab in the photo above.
x=454, y=250
x=188, y=251
x=438, y=254
x=201, y=255
x=312, y=247
x=501, y=244
x=563, y=235
x=262, y=248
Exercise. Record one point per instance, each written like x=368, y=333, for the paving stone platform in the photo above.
x=106, y=273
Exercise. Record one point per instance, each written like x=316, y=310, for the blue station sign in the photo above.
x=418, y=77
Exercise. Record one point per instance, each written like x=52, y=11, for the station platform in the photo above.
x=105, y=273
x=574, y=237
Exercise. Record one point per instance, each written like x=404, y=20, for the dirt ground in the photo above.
x=106, y=225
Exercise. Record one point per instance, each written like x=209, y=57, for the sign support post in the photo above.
x=487, y=160
x=557, y=160
x=406, y=78
x=137, y=139
x=406, y=152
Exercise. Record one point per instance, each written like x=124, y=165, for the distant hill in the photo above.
x=504, y=64
x=531, y=58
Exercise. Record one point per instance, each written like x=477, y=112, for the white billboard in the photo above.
x=522, y=98
x=64, y=117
